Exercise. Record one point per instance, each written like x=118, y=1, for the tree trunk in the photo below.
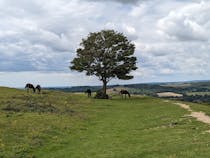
x=104, y=87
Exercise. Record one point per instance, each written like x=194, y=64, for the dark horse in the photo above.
x=88, y=91
x=38, y=87
x=30, y=86
x=125, y=92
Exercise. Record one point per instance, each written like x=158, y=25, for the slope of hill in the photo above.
x=58, y=124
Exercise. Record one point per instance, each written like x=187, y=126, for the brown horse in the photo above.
x=125, y=92
x=30, y=86
x=38, y=87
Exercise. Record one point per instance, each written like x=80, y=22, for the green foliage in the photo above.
x=197, y=98
x=106, y=54
x=101, y=95
x=198, y=93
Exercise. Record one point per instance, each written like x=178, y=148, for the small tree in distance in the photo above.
x=106, y=54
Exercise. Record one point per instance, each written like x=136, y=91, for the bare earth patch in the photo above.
x=166, y=101
x=200, y=116
x=184, y=106
x=169, y=94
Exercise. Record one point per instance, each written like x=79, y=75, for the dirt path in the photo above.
x=200, y=116
x=184, y=106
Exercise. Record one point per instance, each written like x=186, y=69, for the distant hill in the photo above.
x=148, y=88
x=193, y=91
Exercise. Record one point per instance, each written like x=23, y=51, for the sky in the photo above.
x=38, y=39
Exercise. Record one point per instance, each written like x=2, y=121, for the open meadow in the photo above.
x=57, y=124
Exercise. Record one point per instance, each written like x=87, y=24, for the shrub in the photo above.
x=101, y=95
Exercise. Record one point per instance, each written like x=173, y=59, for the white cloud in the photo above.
x=121, y=1
x=190, y=22
x=171, y=37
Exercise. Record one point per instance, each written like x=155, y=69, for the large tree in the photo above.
x=106, y=54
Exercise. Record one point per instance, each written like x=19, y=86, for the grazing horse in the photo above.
x=30, y=86
x=125, y=92
x=38, y=87
x=88, y=91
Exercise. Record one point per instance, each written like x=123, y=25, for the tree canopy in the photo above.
x=106, y=54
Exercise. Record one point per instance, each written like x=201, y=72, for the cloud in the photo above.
x=171, y=37
x=121, y=1
x=40, y=36
x=187, y=23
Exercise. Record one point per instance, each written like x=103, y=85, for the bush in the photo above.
x=101, y=95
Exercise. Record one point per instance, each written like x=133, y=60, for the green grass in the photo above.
x=57, y=124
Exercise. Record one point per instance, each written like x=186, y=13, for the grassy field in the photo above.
x=57, y=124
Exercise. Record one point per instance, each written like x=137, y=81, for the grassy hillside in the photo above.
x=58, y=124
